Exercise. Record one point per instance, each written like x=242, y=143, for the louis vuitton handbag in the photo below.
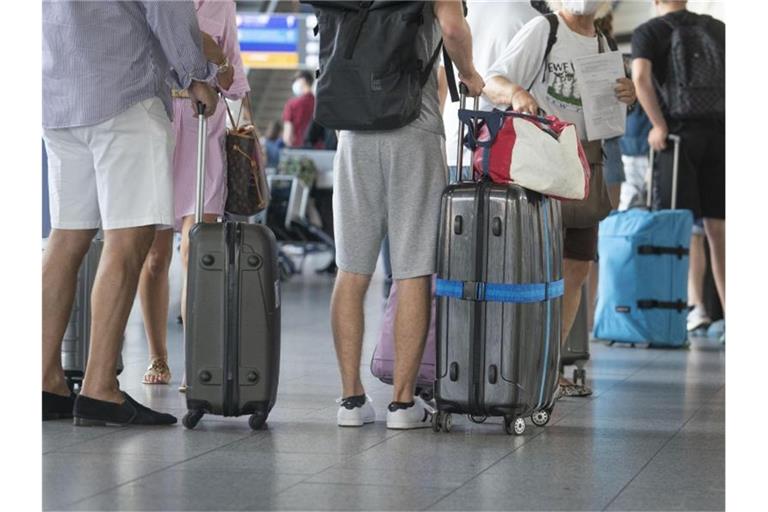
x=247, y=189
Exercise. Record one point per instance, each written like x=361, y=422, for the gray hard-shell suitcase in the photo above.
x=232, y=333
x=499, y=287
x=575, y=350
x=77, y=338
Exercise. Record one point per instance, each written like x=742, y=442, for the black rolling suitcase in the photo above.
x=498, y=314
x=575, y=350
x=77, y=338
x=232, y=334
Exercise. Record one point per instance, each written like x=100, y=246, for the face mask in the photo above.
x=297, y=89
x=582, y=7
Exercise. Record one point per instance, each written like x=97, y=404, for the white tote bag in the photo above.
x=539, y=153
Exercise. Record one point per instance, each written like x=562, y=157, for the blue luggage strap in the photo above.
x=498, y=292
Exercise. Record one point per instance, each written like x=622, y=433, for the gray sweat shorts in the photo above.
x=388, y=183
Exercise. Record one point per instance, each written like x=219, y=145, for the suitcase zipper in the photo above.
x=230, y=354
x=476, y=384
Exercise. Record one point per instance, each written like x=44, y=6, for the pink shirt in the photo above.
x=217, y=18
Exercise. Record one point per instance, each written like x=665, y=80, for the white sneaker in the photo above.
x=698, y=319
x=355, y=411
x=402, y=417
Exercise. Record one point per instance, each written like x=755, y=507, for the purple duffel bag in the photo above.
x=383, y=361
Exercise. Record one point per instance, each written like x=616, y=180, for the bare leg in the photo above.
x=574, y=274
x=696, y=271
x=592, y=282
x=715, y=229
x=61, y=262
x=348, y=325
x=153, y=292
x=614, y=194
x=113, y=293
x=411, y=325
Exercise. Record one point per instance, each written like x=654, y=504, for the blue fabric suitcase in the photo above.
x=643, y=289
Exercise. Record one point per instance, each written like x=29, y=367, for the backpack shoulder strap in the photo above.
x=554, y=24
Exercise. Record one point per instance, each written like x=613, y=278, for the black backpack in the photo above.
x=695, y=84
x=371, y=75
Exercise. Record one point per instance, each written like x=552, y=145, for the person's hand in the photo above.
x=625, y=91
x=204, y=93
x=474, y=83
x=211, y=50
x=657, y=138
x=523, y=102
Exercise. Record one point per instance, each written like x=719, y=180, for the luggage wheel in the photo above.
x=191, y=419
x=514, y=426
x=542, y=417
x=477, y=419
x=257, y=420
x=442, y=421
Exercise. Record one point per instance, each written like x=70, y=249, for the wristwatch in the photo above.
x=223, y=67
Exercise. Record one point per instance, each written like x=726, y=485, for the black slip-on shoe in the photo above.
x=89, y=412
x=57, y=407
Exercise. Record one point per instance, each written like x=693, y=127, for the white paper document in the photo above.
x=604, y=115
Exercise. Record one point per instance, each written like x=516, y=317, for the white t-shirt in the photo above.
x=493, y=24
x=557, y=91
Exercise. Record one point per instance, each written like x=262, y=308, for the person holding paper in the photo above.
x=532, y=75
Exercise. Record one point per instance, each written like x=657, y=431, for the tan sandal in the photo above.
x=158, y=369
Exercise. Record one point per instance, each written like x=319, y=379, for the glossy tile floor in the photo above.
x=652, y=437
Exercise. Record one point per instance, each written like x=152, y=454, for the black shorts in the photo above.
x=580, y=243
x=701, y=181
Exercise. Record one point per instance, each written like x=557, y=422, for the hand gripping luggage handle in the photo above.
x=675, y=165
x=463, y=91
x=202, y=132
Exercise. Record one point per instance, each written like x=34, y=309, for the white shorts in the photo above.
x=115, y=174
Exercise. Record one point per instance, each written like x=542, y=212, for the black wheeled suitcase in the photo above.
x=77, y=338
x=575, y=350
x=232, y=334
x=498, y=312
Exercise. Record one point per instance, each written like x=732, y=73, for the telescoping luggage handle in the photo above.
x=463, y=91
x=202, y=132
x=675, y=165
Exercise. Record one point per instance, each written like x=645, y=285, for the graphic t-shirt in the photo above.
x=554, y=85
